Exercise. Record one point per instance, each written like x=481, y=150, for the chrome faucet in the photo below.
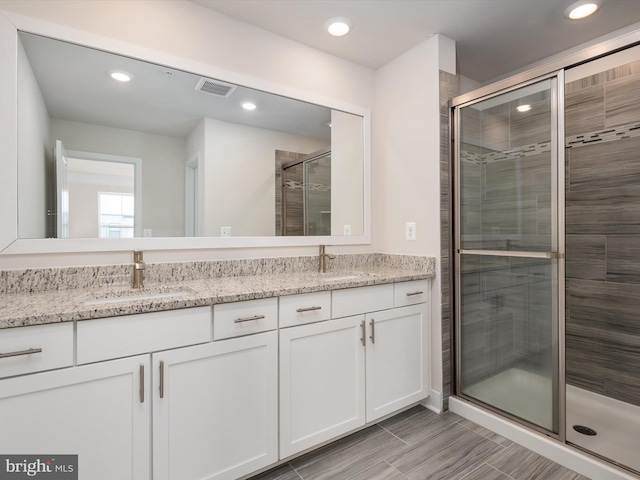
x=322, y=259
x=137, y=280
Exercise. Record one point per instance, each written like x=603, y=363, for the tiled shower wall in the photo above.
x=603, y=233
x=294, y=215
x=449, y=88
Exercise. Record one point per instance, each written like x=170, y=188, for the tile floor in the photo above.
x=419, y=445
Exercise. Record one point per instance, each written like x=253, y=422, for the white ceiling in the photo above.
x=493, y=37
x=75, y=86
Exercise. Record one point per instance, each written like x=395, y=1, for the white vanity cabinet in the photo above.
x=338, y=375
x=215, y=409
x=100, y=412
x=213, y=393
x=397, y=359
x=322, y=391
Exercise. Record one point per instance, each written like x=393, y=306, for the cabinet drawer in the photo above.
x=128, y=335
x=304, y=308
x=354, y=301
x=37, y=348
x=244, y=318
x=410, y=293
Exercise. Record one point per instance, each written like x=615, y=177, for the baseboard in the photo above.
x=545, y=446
x=433, y=402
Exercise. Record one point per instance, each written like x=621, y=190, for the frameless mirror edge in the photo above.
x=10, y=244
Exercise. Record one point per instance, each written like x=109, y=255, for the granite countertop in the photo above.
x=24, y=309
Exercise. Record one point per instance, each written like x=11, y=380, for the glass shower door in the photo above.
x=506, y=253
x=317, y=195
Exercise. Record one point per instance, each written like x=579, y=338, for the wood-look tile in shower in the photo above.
x=623, y=387
x=612, y=307
x=584, y=110
x=543, y=211
x=623, y=253
x=524, y=176
x=622, y=101
x=530, y=127
x=585, y=365
x=603, y=211
x=622, y=71
x=603, y=165
x=509, y=215
x=495, y=129
x=585, y=257
x=585, y=82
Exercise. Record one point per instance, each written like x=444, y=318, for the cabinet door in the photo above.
x=321, y=382
x=215, y=411
x=98, y=412
x=397, y=360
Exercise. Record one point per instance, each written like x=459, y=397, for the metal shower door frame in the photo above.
x=556, y=254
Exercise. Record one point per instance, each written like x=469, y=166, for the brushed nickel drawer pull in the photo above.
x=248, y=319
x=161, y=379
x=364, y=334
x=141, y=383
x=411, y=294
x=308, y=309
x=373, y=331
x=21, y=352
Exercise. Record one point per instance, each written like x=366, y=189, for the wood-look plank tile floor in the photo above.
x=418, y=445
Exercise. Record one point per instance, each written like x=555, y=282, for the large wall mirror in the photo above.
x=116, y=149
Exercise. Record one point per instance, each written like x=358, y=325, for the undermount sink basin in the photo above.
x=131, y=295
x=345, y=276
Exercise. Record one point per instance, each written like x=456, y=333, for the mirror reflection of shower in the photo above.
x=306, y=195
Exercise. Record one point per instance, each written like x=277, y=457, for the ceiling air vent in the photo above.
x=215, y=87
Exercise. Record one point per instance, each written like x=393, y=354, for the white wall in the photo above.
x=84, y=205
x=34, y=149
x=163, y=161
x=406, y=162
x=190, y=31
x=347, y=165
x=240, y=176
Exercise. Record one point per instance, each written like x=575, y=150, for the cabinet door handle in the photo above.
x=308, y=309
x=364, y=334
x=161, y=379
x=411, y=294
x=248, y=319
x=373, y=331
x=141, y=383
x=21, y=352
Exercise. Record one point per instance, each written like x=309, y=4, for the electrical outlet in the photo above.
x=347, y=230
x=410, y=232
x=147, y=232
x=225, y=231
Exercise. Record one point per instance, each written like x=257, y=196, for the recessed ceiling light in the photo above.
x=582, y=9
x=121, y=77
x=249, y=106
x=338, y=26
x=523, y=108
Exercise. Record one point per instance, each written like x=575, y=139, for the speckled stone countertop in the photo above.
x=63, y=305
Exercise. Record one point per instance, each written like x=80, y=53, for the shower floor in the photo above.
x=519, y=392
x=617, y=424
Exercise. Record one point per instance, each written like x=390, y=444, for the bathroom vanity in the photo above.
x=220, y=390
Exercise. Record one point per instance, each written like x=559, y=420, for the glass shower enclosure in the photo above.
x=508, y=253
x=306, y=195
